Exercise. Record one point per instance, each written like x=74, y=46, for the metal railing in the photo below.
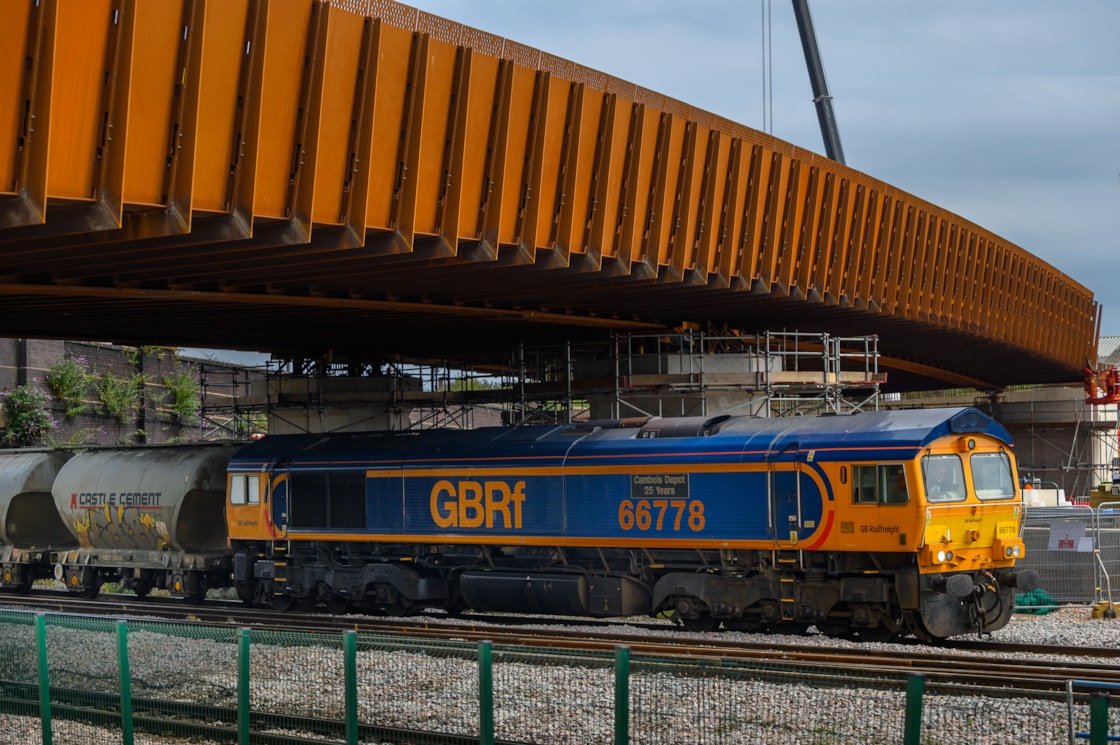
x=1076, y=551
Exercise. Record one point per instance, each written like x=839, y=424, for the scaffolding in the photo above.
x=224, y=402
x=699, y=374
x=629, y=375
x=243, y=402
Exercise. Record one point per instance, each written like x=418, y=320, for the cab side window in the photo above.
x=893, y=489
x=863, y=485
x=244, y=488
x=879, y=484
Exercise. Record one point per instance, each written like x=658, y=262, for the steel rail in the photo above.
x=1039, y=667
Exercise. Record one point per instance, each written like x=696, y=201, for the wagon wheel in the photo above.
x=246, y=591
x=90, y=591
x=142, y=587
x=197, y=595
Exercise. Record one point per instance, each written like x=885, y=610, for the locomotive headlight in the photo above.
x=942, y=556
x=1007, y=552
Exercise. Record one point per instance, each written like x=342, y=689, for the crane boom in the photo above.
x=821, y=98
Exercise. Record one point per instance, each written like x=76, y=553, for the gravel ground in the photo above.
x=549, y=704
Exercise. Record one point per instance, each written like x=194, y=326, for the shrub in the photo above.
x=29, y=421
x=71, y=381
x=182, y=386
x=122, y=396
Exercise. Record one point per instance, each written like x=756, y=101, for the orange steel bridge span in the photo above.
x=297, y=175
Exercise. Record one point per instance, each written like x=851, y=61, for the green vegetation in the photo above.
x=28, y=417
x=122, y=396
x=184, y=390
x=71, y=381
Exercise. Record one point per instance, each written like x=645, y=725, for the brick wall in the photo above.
x=27, y=361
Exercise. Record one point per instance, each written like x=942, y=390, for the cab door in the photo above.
x=279, y=497
x=785, y=495
x=785, y=502
x=245, y=513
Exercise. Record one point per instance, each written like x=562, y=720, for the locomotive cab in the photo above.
x=971, y=539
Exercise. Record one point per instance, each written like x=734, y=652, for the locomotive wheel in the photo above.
x=283, y=603
x=703, y=622
x=880, y=634
x=337, y=604
x=747, y=626
x=789, y=628
x=400, y=608
x=836, y=630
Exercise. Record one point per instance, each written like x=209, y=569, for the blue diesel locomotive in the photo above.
x=876, y=524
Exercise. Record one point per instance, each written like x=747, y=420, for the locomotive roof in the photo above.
x=909, y=428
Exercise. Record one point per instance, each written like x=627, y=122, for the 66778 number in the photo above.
x=658, y=514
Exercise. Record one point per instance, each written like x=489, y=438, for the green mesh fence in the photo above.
x=19, y=678
x=418, y=687
x=189, y=683
x=567, y=699
x=183, y=679
x=724, y=702
x=996, y=716
x=296, y=685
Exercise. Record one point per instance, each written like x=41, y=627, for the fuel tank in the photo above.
x=156, y=499
x=28, y=517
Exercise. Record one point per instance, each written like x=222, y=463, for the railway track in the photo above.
x=1036, y=667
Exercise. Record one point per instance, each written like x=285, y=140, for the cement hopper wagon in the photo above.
x=30, y=527
x=146, y=518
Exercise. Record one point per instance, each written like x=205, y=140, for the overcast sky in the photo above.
x=1006, y=112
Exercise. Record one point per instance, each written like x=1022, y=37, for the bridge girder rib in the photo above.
x=378, y=167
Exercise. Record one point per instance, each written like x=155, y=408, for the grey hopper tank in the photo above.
x=156, y=499
x=28, y=516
